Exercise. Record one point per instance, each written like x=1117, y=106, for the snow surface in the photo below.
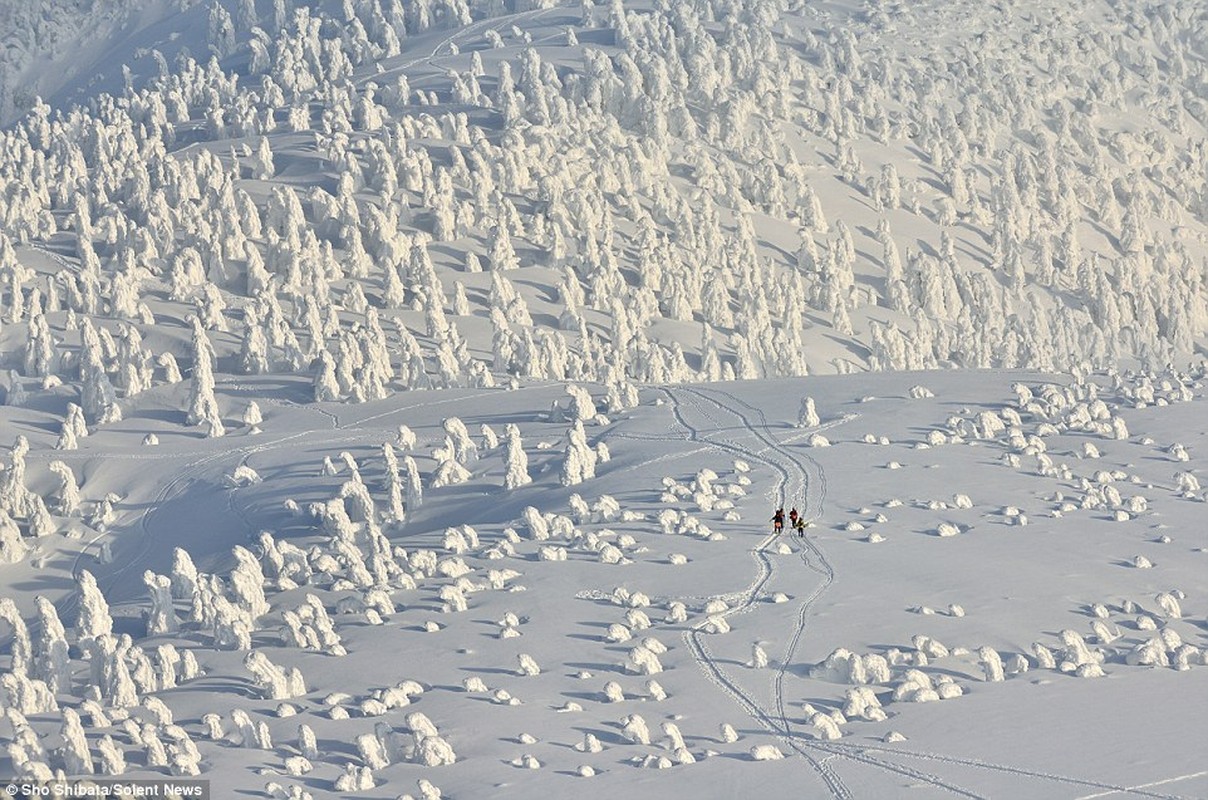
x=1033, y=733
x=371, y=428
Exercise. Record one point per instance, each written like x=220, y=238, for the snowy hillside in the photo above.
x=1033, y=564
x=863, y=195
x=395, y=396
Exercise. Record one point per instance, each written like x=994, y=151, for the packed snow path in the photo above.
x=705, y=418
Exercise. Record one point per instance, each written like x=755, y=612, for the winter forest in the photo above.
x=394, y=395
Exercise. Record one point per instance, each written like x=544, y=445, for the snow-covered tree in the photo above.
x=502, y=254
x=203, y=405
x=515, y=459
x=464, y=448
x=579, y=462
x=807, y=416
x=449, y=469
x=415, y=489
x=93, y=620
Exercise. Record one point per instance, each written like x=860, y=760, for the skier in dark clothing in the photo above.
x=778, y=520
x=793, y=517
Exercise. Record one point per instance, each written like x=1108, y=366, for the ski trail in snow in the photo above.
x=745, y=597
x=843, y=748
x=693, y=638
x=814, y=479
x=815, y=493
x=776, y=721
x=1133, y=789
x=495, y=23
x=808, y=482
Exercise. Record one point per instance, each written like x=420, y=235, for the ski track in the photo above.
x=814, y=480
x=1174, y=779
x=495, y=23
x=842, y=748
x=777, y=721
x=693, y=637
x=816, y=488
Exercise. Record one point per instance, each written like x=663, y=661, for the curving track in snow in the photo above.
x=813, y=479
x=804, y=477
x=708, y=409
x=496, y=24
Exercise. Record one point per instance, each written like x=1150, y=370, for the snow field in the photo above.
x=363, y=384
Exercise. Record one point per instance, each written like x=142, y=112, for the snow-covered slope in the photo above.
x=861, y=194
x=645, y=590
x=370, y=384
x=54, y=48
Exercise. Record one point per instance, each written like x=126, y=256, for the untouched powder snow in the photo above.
x=394, y=397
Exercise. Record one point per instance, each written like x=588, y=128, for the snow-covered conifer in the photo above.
x=77, y=759
x=253, y=354
x=527, y=666
x=112, y=759
x=449, y=470
x=582, y=407
x=327, y=386
x=203, y=405
x=415, y=489
x=991, y=663
x=502, y=254
x=634, y=729
x=184, y=575
x=464, y=449
x=394, y=486
x=405, y=438
x=807, y=416
x=22, y=647
x=278, y=682
x=1169, y=603
x=811, y=212
x=162, y=618
x=579, y=463
x=825, y=726
x=263, y=169
x=93, y=620
x=98, y=395
x=247, y=583
x=50, y=653
x=515, y=458
x=252, y=416
x=490, y=440
x=167, y=362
